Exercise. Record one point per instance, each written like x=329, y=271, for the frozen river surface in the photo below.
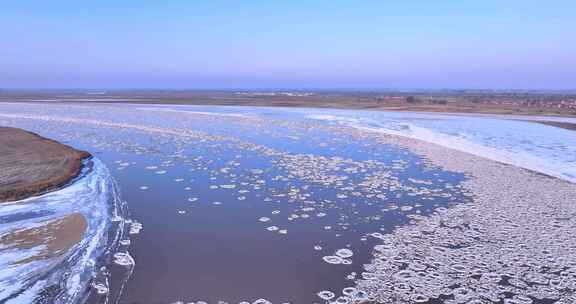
x=510, y=139
x=283, y=205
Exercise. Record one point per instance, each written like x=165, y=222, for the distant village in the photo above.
x=555, y=103
x=535, y=101
x=289, y=94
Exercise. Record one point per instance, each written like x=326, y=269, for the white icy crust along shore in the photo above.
x=515, y=242
x=89, y=195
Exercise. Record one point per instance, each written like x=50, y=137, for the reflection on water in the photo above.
x=239, y=208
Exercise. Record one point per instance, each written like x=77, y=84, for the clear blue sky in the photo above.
x=288, y=44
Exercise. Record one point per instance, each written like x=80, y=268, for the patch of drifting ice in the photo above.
x=524, y=144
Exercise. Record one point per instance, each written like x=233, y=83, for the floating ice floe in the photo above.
x=332, y=259
x=326, y=295
x=135, y=227
x=123, y=259
x=100, y=288
x=344, y=253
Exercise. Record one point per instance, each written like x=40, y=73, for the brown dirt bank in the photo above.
x=563, y=125
x=57, y=235
x=31, y=164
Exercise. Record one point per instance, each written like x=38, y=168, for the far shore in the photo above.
x=563, y=125
x=509, y=106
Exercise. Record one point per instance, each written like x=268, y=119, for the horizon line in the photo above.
x=277, y=89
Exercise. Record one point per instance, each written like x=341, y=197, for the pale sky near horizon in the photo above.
x=489, y=44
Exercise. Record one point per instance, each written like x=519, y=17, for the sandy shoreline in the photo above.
x=563, y=125
x=50, y=218
x=56, y=235
x=32, y=165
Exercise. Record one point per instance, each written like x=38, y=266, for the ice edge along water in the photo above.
x=94, y=195
x=532, y=156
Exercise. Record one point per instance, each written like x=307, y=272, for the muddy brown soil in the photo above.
x=57, y=235
x=31, y=165
x=558, y=124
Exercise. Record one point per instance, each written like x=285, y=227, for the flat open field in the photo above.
x=32, y=164
x=529, y=103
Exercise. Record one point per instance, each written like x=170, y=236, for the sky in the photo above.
x=355, y=44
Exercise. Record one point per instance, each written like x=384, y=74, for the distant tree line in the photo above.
x=412, y=99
